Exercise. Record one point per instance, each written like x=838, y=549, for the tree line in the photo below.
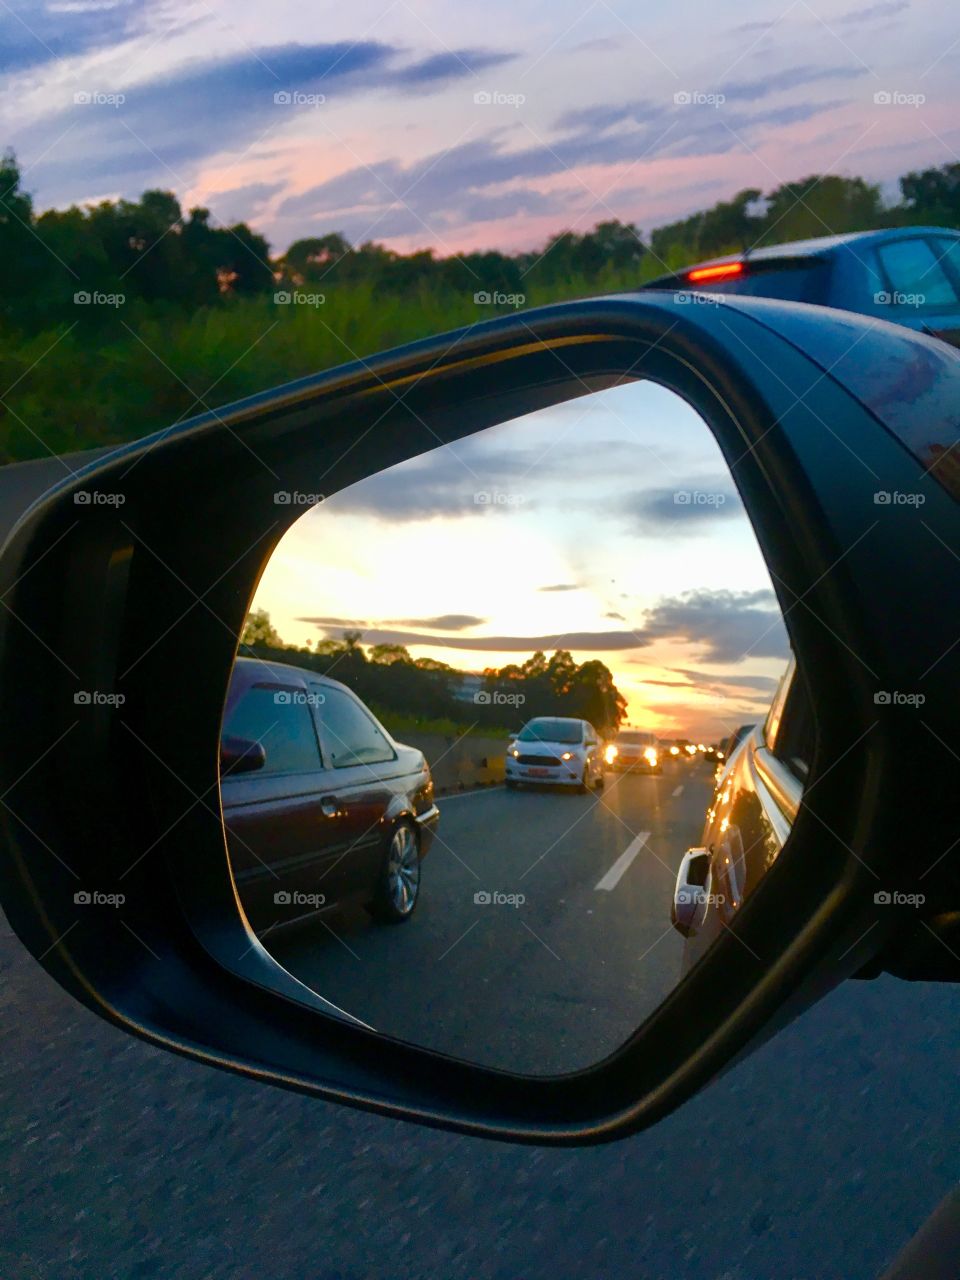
x=155, y=255
x=387, y=678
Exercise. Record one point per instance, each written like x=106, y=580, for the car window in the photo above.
x=350, y=736
x=548, y=730
x=280, y=720
x=948, y=253
x=796, y=737
x=916, y=277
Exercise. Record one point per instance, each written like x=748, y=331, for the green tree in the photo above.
x=258, y=629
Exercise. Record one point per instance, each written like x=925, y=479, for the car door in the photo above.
x=361, y=762
x=277, y=819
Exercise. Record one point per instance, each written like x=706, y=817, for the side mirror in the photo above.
x=241, y=755
x=119, y=637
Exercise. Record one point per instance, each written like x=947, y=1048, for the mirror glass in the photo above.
x=502, y=742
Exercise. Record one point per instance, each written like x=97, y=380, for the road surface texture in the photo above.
x=815, y=1159
x=542, y=938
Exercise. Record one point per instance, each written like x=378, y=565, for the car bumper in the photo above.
x=556, y=777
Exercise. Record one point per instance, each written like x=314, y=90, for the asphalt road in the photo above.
x=815, y=1159
x=542, y=937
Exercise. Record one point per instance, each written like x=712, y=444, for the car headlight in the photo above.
x=674, y=751
x=515, y=753
x=610, y=753
x=567, y=755
x=650, y=755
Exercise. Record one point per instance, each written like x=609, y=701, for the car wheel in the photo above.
x=398, y=890
x=583, y=785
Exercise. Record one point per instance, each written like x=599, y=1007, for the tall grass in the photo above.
x=106, y=379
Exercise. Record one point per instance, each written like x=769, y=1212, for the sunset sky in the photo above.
x=572, y=522
x=583, y=121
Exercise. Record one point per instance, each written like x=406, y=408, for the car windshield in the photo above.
x=636, y=738
x=551, y=731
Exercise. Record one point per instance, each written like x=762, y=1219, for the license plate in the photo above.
x=539, y=773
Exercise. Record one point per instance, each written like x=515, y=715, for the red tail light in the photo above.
x=723, y=271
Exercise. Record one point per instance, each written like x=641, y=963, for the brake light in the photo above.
x=723, y=271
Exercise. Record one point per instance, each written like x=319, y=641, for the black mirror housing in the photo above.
x=133, y=598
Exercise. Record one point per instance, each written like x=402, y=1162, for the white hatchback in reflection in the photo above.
x=557, y=750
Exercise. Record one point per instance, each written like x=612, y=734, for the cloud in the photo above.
x=789, y=78
x=760, y=684
x=728, y=626
x=32, y=34
x=683, y=509
x=155, y=130
x=885, y=9
x=449, y=188
x=561, y=586
x=618, y=617
x=584, y=641
x=445, y=622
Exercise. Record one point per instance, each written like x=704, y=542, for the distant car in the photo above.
x=908, y=275
x=556, y=750
x=749, y=817
x=633, y=749
x=321, y=805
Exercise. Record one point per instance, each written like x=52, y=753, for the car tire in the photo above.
x=398, y=886
x=583, y=786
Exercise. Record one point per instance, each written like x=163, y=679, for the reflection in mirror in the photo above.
x=513, y=733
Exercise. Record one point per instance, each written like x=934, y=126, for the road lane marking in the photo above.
x=462, y=795
x=612, y=878
x=677, y=790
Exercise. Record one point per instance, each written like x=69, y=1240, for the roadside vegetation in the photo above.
x=121, y=318
x=421, y=694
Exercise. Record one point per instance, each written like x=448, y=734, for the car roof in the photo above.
x=248, y=671
x=816, y=247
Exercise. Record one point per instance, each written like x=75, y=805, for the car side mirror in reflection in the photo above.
x=823, y=851
x=241, y=755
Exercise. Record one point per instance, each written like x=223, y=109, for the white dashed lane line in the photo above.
x=613, y=876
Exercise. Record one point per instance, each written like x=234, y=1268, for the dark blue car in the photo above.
x=909, y=275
